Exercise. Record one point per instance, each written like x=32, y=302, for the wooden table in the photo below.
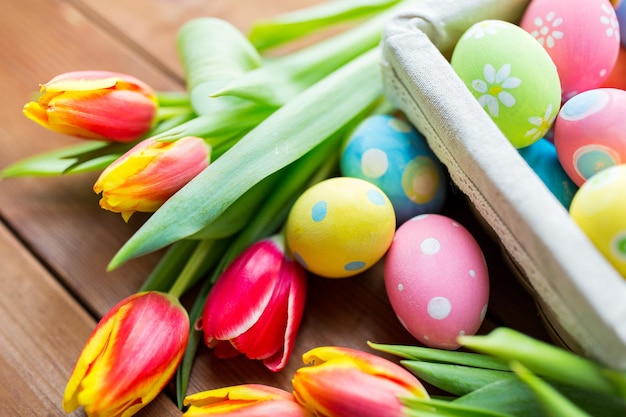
x=55, y=242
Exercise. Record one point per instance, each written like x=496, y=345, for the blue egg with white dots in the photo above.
x=542, y=158
x=340, y=227
x=390, y=153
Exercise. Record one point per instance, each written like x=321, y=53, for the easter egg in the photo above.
x=390, y=153
x=617, y=79
x=598, y=208
x=340, y=227
x=542, y=158
x=620, y=12
x=511, y=76
x=436, y=279
x=581, y=36
x=590, y=132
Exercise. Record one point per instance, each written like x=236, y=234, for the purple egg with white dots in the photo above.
x=390, y=153
x=437, y=280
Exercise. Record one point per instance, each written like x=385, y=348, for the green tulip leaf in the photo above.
x=290, y=26
x=84, y=157
x=285, y=136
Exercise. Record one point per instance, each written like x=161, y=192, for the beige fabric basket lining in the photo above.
x=580, y=293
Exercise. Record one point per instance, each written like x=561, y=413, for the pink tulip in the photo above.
x=345, y=382
x=256, y=306
x=244, y=401
x=129, y=358
x=151, y=172
x=95, y=105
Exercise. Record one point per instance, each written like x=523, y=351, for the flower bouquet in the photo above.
x=219, y=167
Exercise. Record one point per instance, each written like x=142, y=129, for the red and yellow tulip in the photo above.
x=343, y=382
x=151, y=172
x=250, y=400
x=95, y=105
x=256, y=306
x=130, y=356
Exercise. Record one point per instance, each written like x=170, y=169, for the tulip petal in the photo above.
x=344, y=382
x=360, y=394
x=250, y=400
x=368, y=363
x=95, y=80
x=225, y=315
x=266, y=336
x=93, y=348
x=296, y=302
x=150, y=173
x=263, y=323
x=133, y=353
x=95, y=105
x=119, y=115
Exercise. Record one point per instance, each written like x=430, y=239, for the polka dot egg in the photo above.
x=436, y=280
x=340, y=227
x=581, y=36
x=590, y=132
x=390, y=153
x=598, y=208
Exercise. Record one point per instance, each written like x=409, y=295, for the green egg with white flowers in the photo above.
x=512, y=77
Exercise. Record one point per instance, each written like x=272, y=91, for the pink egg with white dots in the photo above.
x=437, y=280
x=581, y=36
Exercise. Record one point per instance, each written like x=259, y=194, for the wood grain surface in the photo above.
x=55, y=242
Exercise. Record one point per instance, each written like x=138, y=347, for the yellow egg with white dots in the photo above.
x=340, y=227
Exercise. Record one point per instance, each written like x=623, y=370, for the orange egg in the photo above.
x=617, y=79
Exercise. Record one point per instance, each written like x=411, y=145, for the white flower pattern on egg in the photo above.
x=547, y=33
x=493, y=88
x=487, y=27
x=608, y=19
x=541, y=124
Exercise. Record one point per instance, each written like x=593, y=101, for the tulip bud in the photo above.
x=344, y=382
x=249, y=400
x=150, y=173
x=95, y=105
x=256, y=306
x=130, y=356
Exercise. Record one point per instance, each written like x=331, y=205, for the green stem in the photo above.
x=194, y=265
x=162, y=276
x=551, y=400
x=266, y=221
x=281, y=79
x=195, y=336
x=225, y=122
x=166, y=113
x=542, y=358
x=173, y=99
x=289, y=26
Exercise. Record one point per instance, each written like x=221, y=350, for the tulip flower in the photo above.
x=256, y=305
x=344, y=382
x=130, y=356
x=95, y=105
x=150, y=173
x=249, y=400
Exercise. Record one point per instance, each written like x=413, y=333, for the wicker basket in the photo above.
x=581, y=296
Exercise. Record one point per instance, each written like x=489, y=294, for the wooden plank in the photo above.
x=42, y=333
x=59, y=218
x=157, y=34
